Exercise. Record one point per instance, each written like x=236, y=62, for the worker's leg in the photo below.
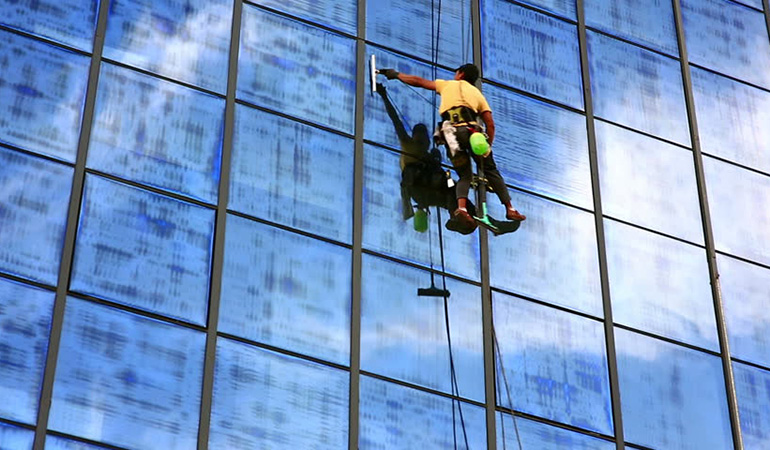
x=497, y=183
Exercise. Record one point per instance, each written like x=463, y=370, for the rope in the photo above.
x=508, y=393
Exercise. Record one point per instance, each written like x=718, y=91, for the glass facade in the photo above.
x=157, y=290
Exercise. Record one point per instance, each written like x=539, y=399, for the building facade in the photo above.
x=201, y=240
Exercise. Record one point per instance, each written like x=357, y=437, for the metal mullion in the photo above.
x=609, y=330
x=204, y=428
x=487, y=321
x=73, y=212
x=362, y=81
x=732, y=402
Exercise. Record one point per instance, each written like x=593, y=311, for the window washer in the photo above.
x=461, y=104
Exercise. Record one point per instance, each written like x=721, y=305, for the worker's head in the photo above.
x=467, y=72
x=420, y=134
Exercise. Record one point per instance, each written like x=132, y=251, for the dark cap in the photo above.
x=470, y=73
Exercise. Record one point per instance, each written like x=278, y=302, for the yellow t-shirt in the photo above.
x=460, y=93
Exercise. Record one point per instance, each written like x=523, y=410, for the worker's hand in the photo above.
x=381, y=89
x=390, y=74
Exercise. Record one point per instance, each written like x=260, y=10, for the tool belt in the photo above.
x=460, y=115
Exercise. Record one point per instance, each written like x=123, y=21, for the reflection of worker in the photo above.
x=461, y=103
x=422, y=177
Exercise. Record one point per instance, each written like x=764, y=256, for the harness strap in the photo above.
x=460, y=115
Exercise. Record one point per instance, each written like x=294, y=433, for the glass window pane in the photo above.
x=728, y=38
x=737, y=199
x=25, y=324
x=157, y=132
x=395, y=417
x=637, y=88
x=385, y=230
x=70, y=22
x=340, y=14
x=671, y=396
x=660, y=285
x=536, y=435
x=411, y=27
x=732, y=119
x=648, y=182
x=745, y=293
x=647, y=22
x=143, y=250
x=412, y=105
x=754, y=3
x=297, y=69
x=42, y=92
x=565, y=8
x=60, y=443
x=545, y=59
x=300, y=176
x=267, y=400
x=286, y=290
x=555, y=364
x=187, y=40
x=541, y=147
x=539, y=260
x=752, y=387
x=15, y=438
x=403, y=335
x=127, y=380
x=33, y=209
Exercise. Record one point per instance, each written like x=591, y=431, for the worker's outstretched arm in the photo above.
x=400, y=129
x=412, y=80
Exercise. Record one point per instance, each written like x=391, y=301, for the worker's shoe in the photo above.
x=462, y=217
x=512, y=214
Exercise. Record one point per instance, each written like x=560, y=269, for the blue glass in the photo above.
x=540, y=259
x=545, y=59
x=637, y=88
x=753, y=3
x=541, y=147
x=403, y=336
x=340, y=14
x=143, y=250
x=752, y=386
x=292, y=174
x=728, y=38
x=42, y=92
x=385, y=231
x=267, y=400
x=413, y=105
x=740, y=221
x=286, y=290
x=127, y=380
x=297, y=69
x=60, y=443
x=156, y=132
x=33, y=214
x=660, y=285
x=565, y=8
x=671, y=396
x=647, y=22
x=648, y=182
x=555, y=364
x=745, y=292
x=70, y=22
x=732, y=119
x=536, y=435
x=25, y=324
x=397, y=417
x=187, y=40
x=414, y=28
x=15, y=438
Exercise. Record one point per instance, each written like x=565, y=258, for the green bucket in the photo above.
x=479, y=143
x=421, y=221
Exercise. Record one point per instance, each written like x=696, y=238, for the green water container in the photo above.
x=479, y=143
x=421, y=221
